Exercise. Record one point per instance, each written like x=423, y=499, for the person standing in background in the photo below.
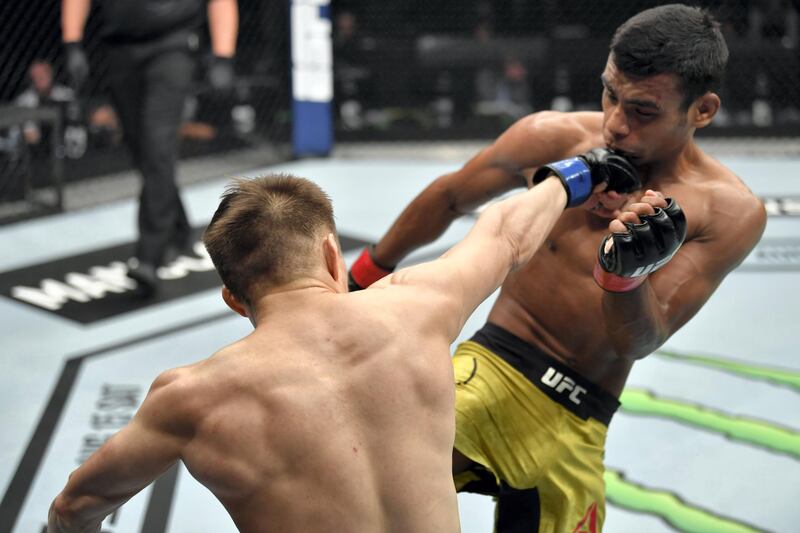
x=151, y=48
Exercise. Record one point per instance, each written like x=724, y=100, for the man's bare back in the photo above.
x=325, y=405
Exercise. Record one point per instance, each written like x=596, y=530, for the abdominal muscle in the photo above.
x=554, y=304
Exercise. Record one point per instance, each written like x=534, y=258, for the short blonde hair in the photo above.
x=264, y=232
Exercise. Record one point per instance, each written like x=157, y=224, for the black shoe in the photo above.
x=173, y=251
x=147, y=282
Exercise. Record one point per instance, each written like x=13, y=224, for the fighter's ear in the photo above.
x=232, y=302
x=330, y=248
x=704, y=109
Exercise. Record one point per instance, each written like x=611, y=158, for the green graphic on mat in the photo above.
x=778, y=376
x=679, y=514
x=751, y=431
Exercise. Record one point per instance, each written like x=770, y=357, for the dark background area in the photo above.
x=406, y=71
x=255, y=112
x=450, y=69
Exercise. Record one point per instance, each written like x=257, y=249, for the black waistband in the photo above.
x=560, y=383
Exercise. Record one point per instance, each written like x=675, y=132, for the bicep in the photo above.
x=692, y=276
x=455, y=284
x=480, y=180
x=508, y=163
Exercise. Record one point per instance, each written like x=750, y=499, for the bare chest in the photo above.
x=571, y=248
x=556, y=287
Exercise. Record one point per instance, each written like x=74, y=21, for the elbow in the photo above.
x=652, y=344
x=444, y=193
x=636, y=348
x=504, y=242
x=60, y=517
x=649, y=341
x=518, y=256
x=637, y=339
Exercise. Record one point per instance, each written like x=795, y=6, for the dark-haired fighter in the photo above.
x=322, y=418
x=536, y=387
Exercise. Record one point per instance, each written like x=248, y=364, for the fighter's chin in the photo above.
x=632, y=155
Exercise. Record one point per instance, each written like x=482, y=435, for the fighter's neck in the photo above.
x=671, y=167
x=290, y=298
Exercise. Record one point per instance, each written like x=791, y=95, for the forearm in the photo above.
x=73, y=19
x=223, y=24
x=633, y=321
x=77, y=515
x=526, y=219
x=423, y=221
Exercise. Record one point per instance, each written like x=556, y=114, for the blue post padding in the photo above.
x=577, y=177
x=312, y=134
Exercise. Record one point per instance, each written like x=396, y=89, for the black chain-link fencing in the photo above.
x=412, y=70
x=255, y=112
x=456, y=69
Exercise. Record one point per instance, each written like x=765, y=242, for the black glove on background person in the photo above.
x=220, y=73
x=77, y=65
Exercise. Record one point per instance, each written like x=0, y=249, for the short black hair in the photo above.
x=676, y=39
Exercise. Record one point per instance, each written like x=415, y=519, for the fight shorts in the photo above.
x=530, y=422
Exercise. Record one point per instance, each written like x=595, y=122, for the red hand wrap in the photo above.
x=365, y=272
x=613, y=283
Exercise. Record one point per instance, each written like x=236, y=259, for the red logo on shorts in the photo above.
x=588, y=523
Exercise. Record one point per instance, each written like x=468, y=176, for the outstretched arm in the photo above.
x=506, y=164
x=447, y=198
x=506, y=235
x=126, y=463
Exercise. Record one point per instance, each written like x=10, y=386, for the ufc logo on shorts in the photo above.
x=558, y=381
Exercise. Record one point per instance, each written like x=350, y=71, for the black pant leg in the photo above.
x=126, y=84
x=162, y=218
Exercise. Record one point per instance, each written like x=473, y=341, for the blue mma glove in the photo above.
x=582, y=173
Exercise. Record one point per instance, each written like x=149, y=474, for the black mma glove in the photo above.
x=581, y=174
x=365, y=271
x=220, y=73
x=641, y=250
x=77, y=65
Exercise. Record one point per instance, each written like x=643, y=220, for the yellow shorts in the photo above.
x=538, y=425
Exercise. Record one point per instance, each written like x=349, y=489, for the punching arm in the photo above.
x=505, y=165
